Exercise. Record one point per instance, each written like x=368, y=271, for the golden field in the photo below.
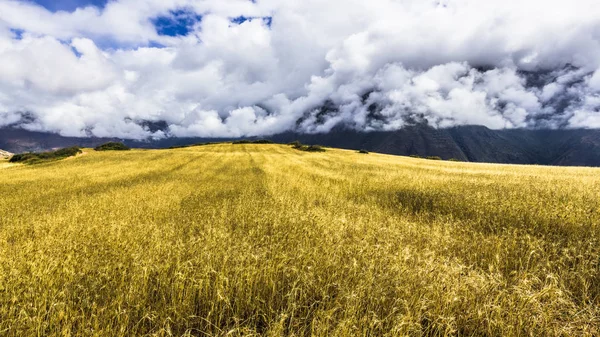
x=242, y=240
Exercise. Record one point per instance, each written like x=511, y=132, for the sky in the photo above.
x=68, y=5
x=239, y=68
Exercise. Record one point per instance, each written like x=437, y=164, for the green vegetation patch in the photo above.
x=307, y=148
x=112, y=146
x=41, y=157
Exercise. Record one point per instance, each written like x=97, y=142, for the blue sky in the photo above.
x=69, y=5
x=178, y=23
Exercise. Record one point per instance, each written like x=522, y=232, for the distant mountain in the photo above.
x=471, y=143
x=18, y=141
x=467, y=143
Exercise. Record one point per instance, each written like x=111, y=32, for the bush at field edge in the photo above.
x=34, y=158
x=112, y=146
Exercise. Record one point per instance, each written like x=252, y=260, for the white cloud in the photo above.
x=595, y=81
x=448, y=62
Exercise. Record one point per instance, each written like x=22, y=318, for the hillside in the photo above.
x=267, y=240
x=19, y=141
x=471, y=143
x=5, y=154
x=467, y=143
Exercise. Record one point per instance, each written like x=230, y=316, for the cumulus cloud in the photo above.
x=245, y=68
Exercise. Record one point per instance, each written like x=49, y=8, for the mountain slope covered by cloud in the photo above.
x=214, y=68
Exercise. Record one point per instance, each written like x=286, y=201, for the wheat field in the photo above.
x=265, y=240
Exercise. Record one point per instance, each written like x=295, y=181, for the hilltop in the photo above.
x=265, y=239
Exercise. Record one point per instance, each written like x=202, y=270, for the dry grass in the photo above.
x=5, y=164
x=265, y=240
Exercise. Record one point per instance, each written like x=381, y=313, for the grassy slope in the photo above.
x=4, y=163
x=263, y=239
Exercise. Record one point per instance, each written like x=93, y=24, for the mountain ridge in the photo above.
x=570, y=147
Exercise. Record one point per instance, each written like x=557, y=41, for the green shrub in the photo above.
x=309, y=148
x=315, y=148
x=433, y=158
x=34, y=158
x=244, y=141
x=454, y=159
x=67, y=152
x=112, y=146
x=363, y=151
x=416, y=156
x=22, y=157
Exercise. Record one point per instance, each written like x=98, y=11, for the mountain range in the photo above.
x=568, y=147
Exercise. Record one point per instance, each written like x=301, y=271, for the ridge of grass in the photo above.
x=259, y=141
